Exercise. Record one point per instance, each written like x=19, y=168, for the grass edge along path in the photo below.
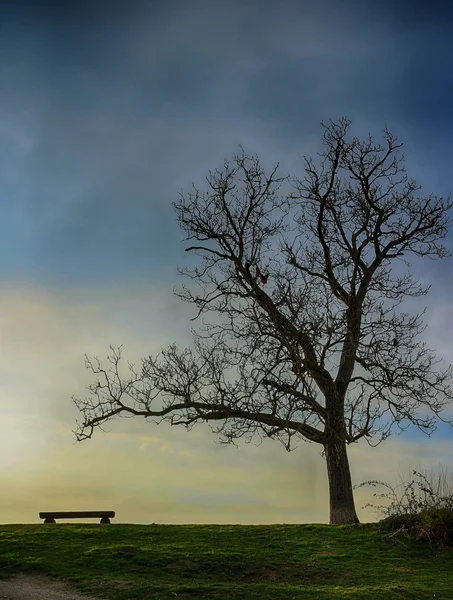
x=159, y=562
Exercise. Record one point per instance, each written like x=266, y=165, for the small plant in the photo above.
x=436, y=526
x=420, y=511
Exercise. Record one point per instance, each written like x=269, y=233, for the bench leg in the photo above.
x=105, y=521
x=49, y=520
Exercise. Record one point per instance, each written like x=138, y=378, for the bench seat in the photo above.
x=104, y=515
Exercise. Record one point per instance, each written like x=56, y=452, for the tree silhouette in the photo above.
x=322, y=352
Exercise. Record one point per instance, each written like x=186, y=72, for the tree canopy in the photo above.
x=308, y=340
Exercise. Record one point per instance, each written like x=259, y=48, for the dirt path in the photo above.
x=37, y=587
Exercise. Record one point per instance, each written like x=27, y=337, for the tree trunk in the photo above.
x=342, y=507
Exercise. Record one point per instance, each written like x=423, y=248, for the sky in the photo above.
x=107, y=110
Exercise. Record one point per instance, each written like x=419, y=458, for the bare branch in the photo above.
x=309, y=341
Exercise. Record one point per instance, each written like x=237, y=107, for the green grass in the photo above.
x=157, y=562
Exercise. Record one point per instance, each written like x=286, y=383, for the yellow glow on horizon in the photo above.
x=147, y=473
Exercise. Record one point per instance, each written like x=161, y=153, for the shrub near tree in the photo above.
x=309, y=341
x=420, y=511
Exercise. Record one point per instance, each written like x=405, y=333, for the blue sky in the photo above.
x=107, y=110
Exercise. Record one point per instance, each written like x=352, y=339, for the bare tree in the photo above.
x=309, y=341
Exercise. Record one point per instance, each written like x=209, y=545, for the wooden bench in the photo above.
x=104, y=515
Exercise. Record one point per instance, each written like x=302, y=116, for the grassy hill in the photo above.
x=234, y=562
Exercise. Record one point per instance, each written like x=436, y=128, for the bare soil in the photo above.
x=25, y=586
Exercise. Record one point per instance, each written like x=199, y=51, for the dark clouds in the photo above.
x=109, y=108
